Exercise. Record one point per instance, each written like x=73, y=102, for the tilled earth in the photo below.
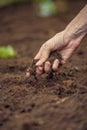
x=59, y=103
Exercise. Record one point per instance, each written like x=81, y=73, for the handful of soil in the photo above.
x=51, y=59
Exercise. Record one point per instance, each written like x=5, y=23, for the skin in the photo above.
x=65, y=42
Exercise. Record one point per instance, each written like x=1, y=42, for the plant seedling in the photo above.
x=7, y=52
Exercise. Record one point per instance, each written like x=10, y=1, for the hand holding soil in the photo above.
x=54, y=52
x=32, y=68
x=65, y=43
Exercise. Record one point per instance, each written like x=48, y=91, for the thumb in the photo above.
x=43, y=57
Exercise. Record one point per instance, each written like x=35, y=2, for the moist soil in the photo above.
x=56, y=103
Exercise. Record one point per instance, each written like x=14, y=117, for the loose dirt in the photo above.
x=32, y=66
x=57, y=103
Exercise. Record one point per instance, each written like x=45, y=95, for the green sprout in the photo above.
x=7, y=52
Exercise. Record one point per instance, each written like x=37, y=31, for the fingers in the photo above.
x=55, y=65
x=39, y=70
x=45, y=68
x=43, y=57
x=37, y=56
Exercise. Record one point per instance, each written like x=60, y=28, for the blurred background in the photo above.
x=46, y=7
x=28, y=23
x=9, y=2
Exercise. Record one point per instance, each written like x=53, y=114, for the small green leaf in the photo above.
x=7, y=52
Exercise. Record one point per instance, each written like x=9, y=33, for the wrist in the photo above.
x=73, y=35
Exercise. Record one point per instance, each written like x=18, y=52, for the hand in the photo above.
x=62, y=42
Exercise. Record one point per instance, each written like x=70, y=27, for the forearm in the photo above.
x=78, y=26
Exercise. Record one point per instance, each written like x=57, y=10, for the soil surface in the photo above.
x=57, y=103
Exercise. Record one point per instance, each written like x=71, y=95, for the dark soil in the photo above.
x=59, y=103
x=32, y=66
